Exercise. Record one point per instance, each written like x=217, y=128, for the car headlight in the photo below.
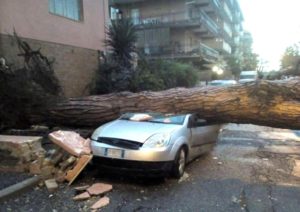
x=157, y=140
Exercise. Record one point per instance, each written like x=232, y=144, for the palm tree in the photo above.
x=121, y=39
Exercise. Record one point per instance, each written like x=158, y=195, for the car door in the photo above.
x=203, y=135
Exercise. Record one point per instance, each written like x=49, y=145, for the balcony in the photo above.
x=210, y=52
x=214, y=28
x=217, y=8
x=179, y=19
x=177, y=51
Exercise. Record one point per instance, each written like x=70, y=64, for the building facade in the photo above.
x=204, y=29
x=70, y=31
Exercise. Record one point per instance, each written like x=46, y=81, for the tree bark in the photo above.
x=269, y=103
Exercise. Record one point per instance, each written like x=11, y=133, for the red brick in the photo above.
x=101, y=203
x=99, y=188
x=82, y=196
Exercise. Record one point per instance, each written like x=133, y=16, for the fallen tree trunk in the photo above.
x=269, y=103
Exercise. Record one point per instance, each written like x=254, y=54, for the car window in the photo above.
x=195, y=121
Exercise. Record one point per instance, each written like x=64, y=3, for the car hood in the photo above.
x=131, y=130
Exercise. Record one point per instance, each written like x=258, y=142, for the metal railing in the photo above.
x=182, y=17
x=209, y=22
x=177, y=50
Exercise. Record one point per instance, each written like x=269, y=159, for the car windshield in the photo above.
x=154, y=117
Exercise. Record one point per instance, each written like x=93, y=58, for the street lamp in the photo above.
x=217, y=70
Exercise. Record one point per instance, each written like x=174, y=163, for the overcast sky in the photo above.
x=274, y=25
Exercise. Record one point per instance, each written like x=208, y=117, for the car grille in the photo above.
x=120, y=143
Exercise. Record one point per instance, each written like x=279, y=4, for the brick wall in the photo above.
x=74, y=67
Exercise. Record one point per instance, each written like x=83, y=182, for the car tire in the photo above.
x=179, y=164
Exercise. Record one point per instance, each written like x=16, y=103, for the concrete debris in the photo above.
x=65, y=164
x=82, y=196
x=35, y=167
x=101, y=203
x=47, y=171
x=51, y=185
x=71, y=142
x=220, y=163
x=47, y=162
x=296, y=168
x=57, y=157
x=99, y=188
x=40, y=128
x=184, y=177
x=60, y=176
x=234, y=199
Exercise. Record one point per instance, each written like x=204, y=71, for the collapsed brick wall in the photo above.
x=74, y=66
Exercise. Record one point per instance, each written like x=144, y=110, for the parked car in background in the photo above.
x=222, y=82
x=153, y=143
x=248, y=76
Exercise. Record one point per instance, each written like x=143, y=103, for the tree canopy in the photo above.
x=290, y=62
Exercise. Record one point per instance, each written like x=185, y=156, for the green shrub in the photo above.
x=111, y=77
x=160, y=75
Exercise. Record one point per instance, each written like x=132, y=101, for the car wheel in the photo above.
x=179, y=164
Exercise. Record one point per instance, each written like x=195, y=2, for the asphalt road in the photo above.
x=251, y=169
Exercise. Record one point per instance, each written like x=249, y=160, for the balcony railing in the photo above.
x=183, y=18
x=206, y=50
x=180, y=51
x=209, y=22
x=162, y=19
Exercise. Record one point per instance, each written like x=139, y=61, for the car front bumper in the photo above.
x=163, y=154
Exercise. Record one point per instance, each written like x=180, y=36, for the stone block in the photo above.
x=51, y=185
x=19, y=150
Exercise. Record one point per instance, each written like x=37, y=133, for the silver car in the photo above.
x=153, y=143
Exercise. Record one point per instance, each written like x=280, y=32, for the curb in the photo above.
x=18, y=188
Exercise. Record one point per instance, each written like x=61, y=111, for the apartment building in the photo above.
x=69, y=31
x=184, y=29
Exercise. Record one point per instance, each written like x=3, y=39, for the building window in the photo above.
x=72, y=9
x=114, y=13
x=135, y=16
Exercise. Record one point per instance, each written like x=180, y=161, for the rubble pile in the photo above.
x=67, y=160
x=63, y=162
x=96, y=190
